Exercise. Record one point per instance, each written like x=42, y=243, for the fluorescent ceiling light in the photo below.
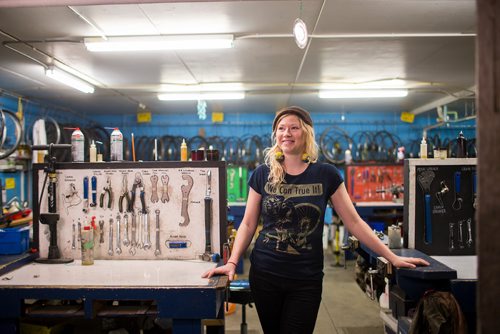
x=69, y=79
x=151, y=43
x=376, y=84
x=201, y=96
x=362, y=93
x=205, y=87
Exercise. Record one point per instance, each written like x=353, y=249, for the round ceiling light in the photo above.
x=300, y=33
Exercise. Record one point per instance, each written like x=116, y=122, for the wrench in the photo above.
x=118, y=249
x=164, y=188
x=133, y=241
x=126, y=242
x=186, y=189
x=469, y=232
x=157, y=250
x=451, y=244
x=110, y=248
x=79, y=232
x=140, y=228
x=73, y=243
x=154, y=188
x=146, y=232
x=460, y=234
x=101, y=231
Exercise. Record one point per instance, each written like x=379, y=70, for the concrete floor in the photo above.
x=345, y=308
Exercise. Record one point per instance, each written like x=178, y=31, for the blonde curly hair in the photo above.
x=277, y=169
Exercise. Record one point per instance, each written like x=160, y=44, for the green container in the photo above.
x=237, y=187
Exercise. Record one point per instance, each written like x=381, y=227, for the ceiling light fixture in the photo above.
x=152, y=43
x=362, y=93
x=69, y=79
x=201, y=96
x=300, y=33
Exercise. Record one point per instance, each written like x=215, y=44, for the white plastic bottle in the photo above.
x=423, y=149
x=116, y=145
x=348, y=157
x=92, y=152
x=77, y=145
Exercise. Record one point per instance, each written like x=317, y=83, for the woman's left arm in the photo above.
x=361, y=230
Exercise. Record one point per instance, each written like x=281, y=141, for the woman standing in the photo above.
x=290, y=191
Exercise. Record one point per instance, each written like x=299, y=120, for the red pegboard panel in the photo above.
x=375, y=183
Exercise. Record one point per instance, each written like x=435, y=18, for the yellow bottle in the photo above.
x=184, y=151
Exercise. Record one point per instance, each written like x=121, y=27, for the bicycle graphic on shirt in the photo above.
x=294, y=223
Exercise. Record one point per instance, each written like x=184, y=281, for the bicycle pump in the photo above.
x=51, y=218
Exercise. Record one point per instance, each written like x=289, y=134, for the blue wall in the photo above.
x=241, y=124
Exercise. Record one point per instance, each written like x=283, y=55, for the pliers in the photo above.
x=137, y=184
x=107, y=190
x=124, y=195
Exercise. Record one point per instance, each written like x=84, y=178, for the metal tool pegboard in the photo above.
x=440, y=202
x=174, y=194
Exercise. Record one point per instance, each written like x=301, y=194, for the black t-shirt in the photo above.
x=290, y=242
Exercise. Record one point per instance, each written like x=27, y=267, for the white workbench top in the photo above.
x=466, y=266
x=110, y=273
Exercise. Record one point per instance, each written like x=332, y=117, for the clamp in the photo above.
x=106, y=190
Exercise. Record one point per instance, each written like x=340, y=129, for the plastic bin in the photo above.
x=377, y=226
x=14, y=240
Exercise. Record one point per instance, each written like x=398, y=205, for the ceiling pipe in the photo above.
x=471, y=91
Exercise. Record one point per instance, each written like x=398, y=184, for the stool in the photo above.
x=240, y=293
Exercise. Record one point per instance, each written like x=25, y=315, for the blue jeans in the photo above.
x=284, y=305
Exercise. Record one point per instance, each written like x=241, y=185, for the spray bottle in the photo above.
x=116, y=145
x=77, y=145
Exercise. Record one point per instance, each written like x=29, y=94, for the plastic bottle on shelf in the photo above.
x=92, y=152
x=348, y=157
x=87, y=246
x=423, y=149
x=461, y=146
x=116, y=145
x=77, y=145
x=184, y=151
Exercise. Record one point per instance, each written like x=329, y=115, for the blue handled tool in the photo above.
x=457, y=204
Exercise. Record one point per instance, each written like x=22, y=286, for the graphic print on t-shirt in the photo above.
x=293, y=222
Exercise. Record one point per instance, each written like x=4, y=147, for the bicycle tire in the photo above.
x=18, y=133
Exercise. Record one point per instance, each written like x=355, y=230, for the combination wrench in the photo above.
x=126, y=241
x=157, y=250
x=110, y=248
x=146, y=232
x=118, y=249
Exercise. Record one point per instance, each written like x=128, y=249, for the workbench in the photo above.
x=457, y=274
x=174, y=287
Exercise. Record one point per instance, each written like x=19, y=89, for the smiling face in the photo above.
x=290, y=135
